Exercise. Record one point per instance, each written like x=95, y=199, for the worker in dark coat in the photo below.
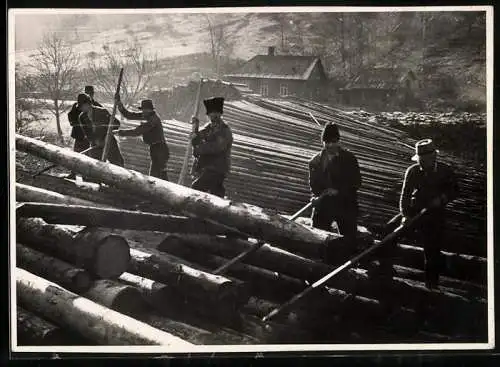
x=81, y=142
x=428, y=184
x=94, y=122
x=152, y=133
x=334, y=178
x=212, y=150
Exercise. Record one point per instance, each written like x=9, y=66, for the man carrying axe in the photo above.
x=212, y=150
x=151, y=130
x=428, y=184
x=94, y=122
x=334, y=178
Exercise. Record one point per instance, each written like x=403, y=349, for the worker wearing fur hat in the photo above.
x=428, y=184
x=94, y=122
x=152, y=133
x=212, y=150
x=334, y=178
x=81, y=142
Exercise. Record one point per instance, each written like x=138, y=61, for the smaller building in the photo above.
x=381, y=88
x=274, y=75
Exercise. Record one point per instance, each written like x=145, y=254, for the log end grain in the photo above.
x=111, y=258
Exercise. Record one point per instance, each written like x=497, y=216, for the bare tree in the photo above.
x=221, y=43
x=139, y=70
x=27, y=109
x=55, y=65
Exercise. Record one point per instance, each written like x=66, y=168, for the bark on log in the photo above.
x=263, y=282
x=102, y=254
x=33, y=330
x=90, y=215
x=66, y=275
x=91, y=320
x=259, y=223
x=119, y=297
x=278, y=287
x=187, y=282
x=35, y=194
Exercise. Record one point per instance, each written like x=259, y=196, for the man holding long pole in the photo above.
x=212, y=150
x=428, y=184
x=334, y=178
x=151, y=130
x=94, y=121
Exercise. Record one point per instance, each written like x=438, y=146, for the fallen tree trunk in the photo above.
x=187, y=282
x=106, y=196
x=254, y=221
x=102, y=254
x=90, y=215
x=57, y=271
x=93, y=321
x=263, y=282
x=119, y=297
x=33, y=330
x=35, y=194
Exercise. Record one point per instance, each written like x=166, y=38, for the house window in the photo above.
x=264, y=90
x=283, y=90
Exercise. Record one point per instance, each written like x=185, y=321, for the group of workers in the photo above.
x=334, y=173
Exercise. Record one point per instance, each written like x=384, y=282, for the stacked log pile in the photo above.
x=274, y=140
x=169, y=281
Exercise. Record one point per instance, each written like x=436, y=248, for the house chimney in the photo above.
x=270, y=50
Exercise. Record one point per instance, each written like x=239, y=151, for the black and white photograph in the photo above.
x=257, y=179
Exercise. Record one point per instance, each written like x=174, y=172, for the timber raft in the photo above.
x=141, y=254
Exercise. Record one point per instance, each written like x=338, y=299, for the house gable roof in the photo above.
x=277, y=67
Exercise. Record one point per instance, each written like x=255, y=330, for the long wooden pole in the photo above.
x=111, y=120
x=255, y=248
x=187, y=156
x=392, y=236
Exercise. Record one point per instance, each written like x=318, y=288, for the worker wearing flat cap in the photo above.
x=81, y=142
x=212, y=150
x=334, y=178
x=428, y=184
x=152, y=133
x=94, y=122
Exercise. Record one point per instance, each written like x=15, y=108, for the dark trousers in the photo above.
x=431, y=233
x=159, y=154
x=210, y=181
x=81, y=145
x=114, y=153
x=328, y=210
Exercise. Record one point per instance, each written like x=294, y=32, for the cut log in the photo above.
x=66, y=275
x=263, y=282
x=187, y=282
x=119, y=297
x=256, y=222
x=86, y=215
x=277, y=287
x=93, y=321
x=35, y=194
x=33, y=330
x=102, y=254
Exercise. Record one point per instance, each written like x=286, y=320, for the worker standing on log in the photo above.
x=334, y=178
x=212, y=150
x=94, y=122
x=152, y=135
x=77, y=133
x=428, y=184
